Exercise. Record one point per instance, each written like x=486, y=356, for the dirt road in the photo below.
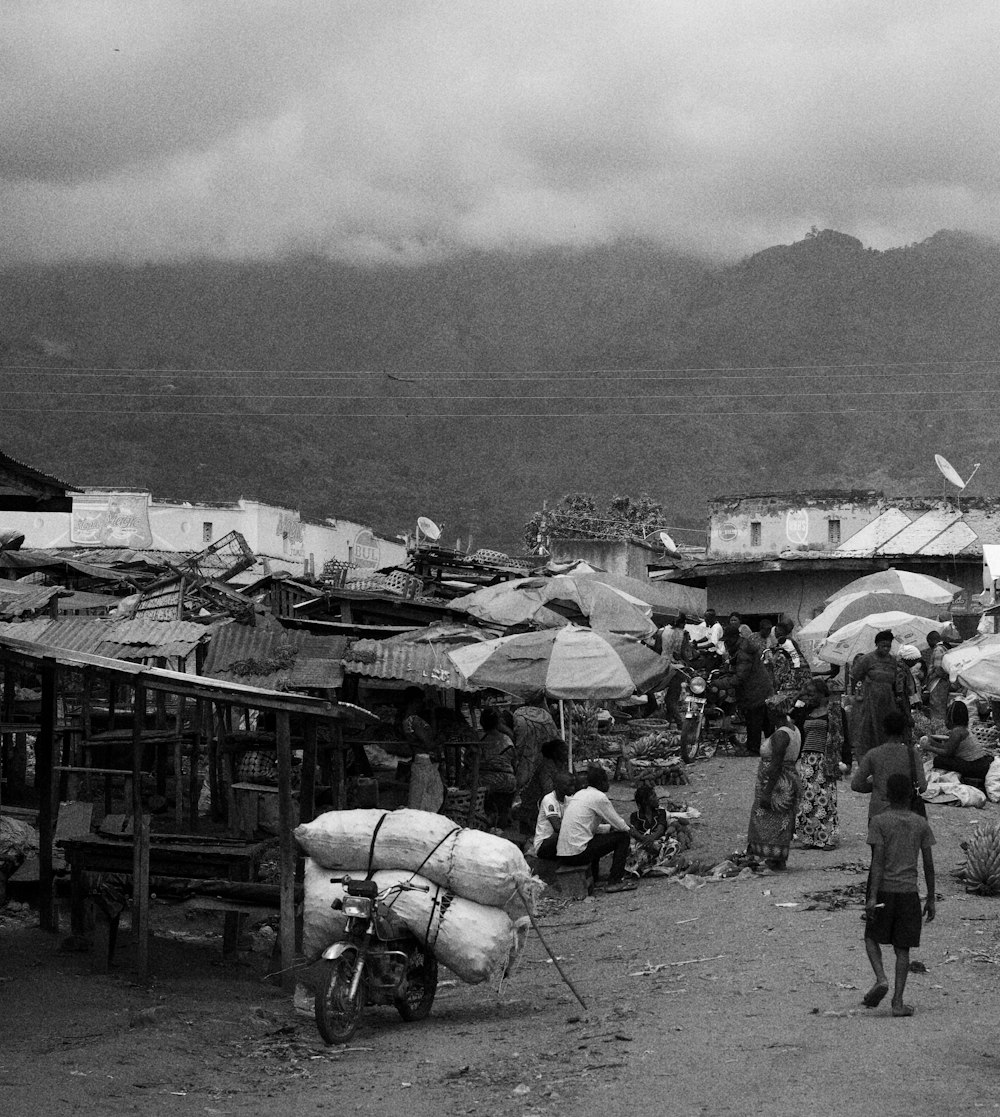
x=718, y=999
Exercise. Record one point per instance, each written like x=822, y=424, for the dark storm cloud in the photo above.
x=398, y=130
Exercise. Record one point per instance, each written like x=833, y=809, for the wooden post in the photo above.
x=140, y=895
x=473, y=752
x=307, y=785
x=160, y=723
x=179, y=766
x=45, y=745
x=135, y=807
x=286, y=849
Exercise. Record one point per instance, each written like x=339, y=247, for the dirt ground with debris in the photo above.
x=738, y=996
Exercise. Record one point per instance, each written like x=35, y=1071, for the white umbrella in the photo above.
x=859, y=636
x=976, y=664
x=935, y=590
x=855, y=606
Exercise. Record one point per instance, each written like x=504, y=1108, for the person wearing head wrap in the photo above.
x=778, y=788
x=886, y=685
x=937, y=680
x=911, y=657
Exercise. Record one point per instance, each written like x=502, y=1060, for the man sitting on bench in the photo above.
x=591, y=829
x=550, y=814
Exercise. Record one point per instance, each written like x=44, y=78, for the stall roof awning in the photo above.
x=419, y=657
x=188, y=685
x=116, y=639
x=271, y=658
x=18, y=600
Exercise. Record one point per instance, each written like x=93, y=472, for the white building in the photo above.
x=104, y=518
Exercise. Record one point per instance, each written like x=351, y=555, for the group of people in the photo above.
x=577, y=824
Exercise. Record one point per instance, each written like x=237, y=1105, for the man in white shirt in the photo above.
x=580, y=841
x=550, y=814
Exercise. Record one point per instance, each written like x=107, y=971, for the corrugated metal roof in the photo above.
x=128, y=639
x=296, y=659
x=20, y=600
x=420, y=657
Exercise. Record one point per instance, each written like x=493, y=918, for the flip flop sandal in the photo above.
x=903, y=1010
x=875, y=996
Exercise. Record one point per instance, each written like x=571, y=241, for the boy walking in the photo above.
x=892, y=910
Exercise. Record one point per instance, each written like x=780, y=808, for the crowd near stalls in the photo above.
x=175, y=718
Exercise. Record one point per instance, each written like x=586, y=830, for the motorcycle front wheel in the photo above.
x=337, y=1013
x=690, y=740
x=421, y=985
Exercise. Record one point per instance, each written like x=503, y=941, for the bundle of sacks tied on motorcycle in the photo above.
x=474, y=914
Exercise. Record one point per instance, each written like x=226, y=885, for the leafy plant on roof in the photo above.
x=577, y=516
x=282, y=660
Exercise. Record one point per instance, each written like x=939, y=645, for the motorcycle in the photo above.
x=378, y=962
x=708, y=709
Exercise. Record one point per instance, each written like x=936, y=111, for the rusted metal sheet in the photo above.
x=420, y=658
x=271, y=658
x=132, y=640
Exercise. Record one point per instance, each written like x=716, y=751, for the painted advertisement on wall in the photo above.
x=366, y=550
x=111, y=520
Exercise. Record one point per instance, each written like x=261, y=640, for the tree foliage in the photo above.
x=578, y=516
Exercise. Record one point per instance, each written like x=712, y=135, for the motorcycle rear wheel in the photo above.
x=421, y=985
x=690, y=740
x=337, y=1013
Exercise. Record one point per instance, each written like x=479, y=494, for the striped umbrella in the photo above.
x=552, y=602
x=859, y=636
x=935, y=590
x=568, y=662
x=854, y=606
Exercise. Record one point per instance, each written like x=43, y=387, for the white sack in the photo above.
x=472, y=864
x=470, y=939
x=993, y=781
x=967, y=795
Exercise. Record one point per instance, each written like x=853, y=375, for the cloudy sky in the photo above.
x=398, y=130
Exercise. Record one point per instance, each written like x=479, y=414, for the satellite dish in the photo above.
x=667, y=542
x=428, y=528
x=949, y=472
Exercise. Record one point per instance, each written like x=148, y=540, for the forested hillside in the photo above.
x=472, y=389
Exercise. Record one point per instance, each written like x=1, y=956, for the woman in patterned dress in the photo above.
x=819, y=768
x=776, y=796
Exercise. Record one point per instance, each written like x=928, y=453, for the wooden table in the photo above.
x=189, y=856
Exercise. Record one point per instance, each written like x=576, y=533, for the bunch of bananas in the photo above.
x=981, y=871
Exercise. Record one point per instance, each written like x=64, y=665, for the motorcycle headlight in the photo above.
x=357, y=907
x=697, y=685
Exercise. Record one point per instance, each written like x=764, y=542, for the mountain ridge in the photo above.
x=473, y=389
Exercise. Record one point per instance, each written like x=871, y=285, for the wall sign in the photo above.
x=797, y=525
x=728, y=531
x=366, y=550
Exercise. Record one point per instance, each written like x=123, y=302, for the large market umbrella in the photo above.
x=859, y=636
x=569, y=662
x=553, y=602
x=976, y=664
x=935, y=590
x=855, y=606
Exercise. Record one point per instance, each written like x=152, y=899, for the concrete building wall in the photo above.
x=614, y=556
x=104, y=518
x=848, y=524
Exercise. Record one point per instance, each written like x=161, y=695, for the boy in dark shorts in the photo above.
x=892, y=910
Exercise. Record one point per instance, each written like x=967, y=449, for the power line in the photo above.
x=736, y=372
x=407, y=415
x=881, y=394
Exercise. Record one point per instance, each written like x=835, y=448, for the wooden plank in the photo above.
x=140, y=895
x=45, y=782
x=73, y=821
x=287, y=855
x=307, y=784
